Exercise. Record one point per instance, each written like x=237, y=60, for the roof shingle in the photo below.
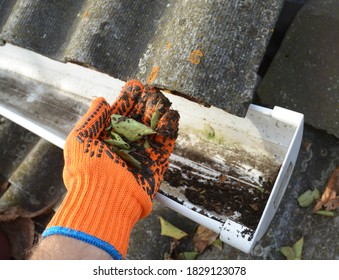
x=207, y=50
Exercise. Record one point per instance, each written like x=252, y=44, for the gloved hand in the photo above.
x=106, y=196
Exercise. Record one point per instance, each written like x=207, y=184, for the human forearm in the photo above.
x=57, y=247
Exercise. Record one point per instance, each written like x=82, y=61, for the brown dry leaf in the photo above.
x=203, y=237
x=255, y=206
x=3, y=187
x=329, y=198
x=14, y=212
x=222, y=179
x=20, y=233
x=332, y=204
x=174, y=243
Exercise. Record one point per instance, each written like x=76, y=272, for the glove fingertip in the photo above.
x=169, y=124
x=133, y=85
x=127, y=97
x=94, y=120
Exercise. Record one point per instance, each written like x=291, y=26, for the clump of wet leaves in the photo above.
x=126, y=131
x=201, y=239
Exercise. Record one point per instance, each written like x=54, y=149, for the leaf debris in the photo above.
x=203, y=238
x=294, y=252
x=124, y=132
x=170, y=230
x=307, y=198
x=330, y=197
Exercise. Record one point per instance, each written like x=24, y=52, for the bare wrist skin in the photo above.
x=58, y=247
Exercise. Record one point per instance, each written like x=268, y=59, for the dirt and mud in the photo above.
x=227, y=194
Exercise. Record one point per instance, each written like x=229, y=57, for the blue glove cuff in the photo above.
x=85, y=238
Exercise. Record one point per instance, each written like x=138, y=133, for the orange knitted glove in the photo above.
x=106, y=196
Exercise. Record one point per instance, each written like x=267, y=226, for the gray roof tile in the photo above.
x=33, y=168
x=207, y=50
x=304, y=75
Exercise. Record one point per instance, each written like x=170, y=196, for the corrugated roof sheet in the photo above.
x=208, y=50
x=33, y=168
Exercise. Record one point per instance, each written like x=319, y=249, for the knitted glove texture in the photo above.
x=106, y=196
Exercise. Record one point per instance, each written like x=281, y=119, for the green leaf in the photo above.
x=316, y=194
x=131, y=129
x=117, y=137
x=325, y=213
x=118, y=144
x=146, y=145
x=218, y=243
x=294, y=252
x=288, y=252
x=261, y=188
x=298, y=248
x=155, y=119
x=128, y=158
x=170, y=230
x=188, y=256
x=308, y=197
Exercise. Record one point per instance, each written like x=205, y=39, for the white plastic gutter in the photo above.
x=264, y=133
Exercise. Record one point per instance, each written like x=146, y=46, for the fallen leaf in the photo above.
x=288, y=252
x=174, y=243
x=330, y=193
x=170, y=230
x=20, y=233
x=14, y=212
x=222, y=178
x=203, y=237
x=218, y=243
x=308, y=197
x=188, y=256
x=298, y=248
x=325, y=213
x=5, y=248
x=167, y=256
x=332, y=204
x=294, y=252
x=3, y=187
x=255, y=206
